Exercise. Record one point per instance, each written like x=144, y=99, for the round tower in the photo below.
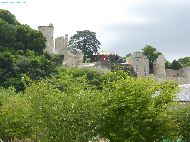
x=47, y=32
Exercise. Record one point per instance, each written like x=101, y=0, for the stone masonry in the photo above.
x=159, y=67
x=139, y=62
x=61, y=47
x=48, y=31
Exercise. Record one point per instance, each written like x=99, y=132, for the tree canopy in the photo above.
x=67, y=107
x=184, y=61
x=7, y=16
x=43, y=102
x=85, y=41
x=21, y=52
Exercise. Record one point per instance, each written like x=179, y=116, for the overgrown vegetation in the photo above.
x=21, y=53
x=43, y=102
x=71, y=107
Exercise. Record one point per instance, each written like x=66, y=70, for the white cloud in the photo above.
x=121, y=25
x=71, y=15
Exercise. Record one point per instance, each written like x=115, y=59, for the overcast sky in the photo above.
x=122, y=26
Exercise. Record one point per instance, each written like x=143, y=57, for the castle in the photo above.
x=60, y=47
x=140, y=64
x=137, y=60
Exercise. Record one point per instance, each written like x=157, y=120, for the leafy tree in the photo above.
x=29, y=39
x=168, y=65
x=5, y=15
x=152, y=55
x=14, y=64
x=176, y=65
x=184, y=61
x=7, y=34
x=21, y=52
x=85, y=41
x=136, y=109
x=61, y=115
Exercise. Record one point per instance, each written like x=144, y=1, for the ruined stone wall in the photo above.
x=159, y=67
x=181, y=75
x=103, y=67
x=73, y=59
x=139, y=62
x=174, y=73
x=60, y=45
x=48, y=31
x=186, y=71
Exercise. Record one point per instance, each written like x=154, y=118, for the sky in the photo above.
x=122, y=26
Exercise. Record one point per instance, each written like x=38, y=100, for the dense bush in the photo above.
x=183, y=120
x=66, y=107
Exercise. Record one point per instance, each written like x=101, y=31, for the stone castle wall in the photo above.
x=61, y=47
x=73, y=59
x=159, y=67
x=48, y=32
x=139, y=62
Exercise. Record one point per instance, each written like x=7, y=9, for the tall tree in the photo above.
x=85, y=41
x=168, y=65
x=175, y=65
x=21, y=52
x=8, y=17
x=7, y=34
x=152, y=55
x=28, y=38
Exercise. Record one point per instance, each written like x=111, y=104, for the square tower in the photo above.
x=47, y=32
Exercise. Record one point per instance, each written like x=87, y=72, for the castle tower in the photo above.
x=47, y=31
x=159, y=67
x=139, y=62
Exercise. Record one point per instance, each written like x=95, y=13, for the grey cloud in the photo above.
x=168, y=29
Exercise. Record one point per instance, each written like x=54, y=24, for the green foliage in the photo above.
x=7, y=34
x=5, y=15
x=183, y=118
x=14, y=64
x=65, y=107
x=75, y=105
x=152, y=54
x=184, y=61
x=85, y=41
x=29, y=39
x=176, y=65
x=44, y=113
x=168, y=65
x=78, y=78
x=134, y=111
x=21, y=52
